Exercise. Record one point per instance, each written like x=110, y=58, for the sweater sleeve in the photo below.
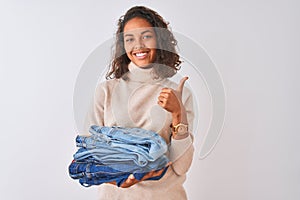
x=95, y=115
x=181, y=151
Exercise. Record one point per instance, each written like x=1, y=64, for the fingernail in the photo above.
x=131, y=176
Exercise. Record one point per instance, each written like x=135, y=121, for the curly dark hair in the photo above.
x=165, y=50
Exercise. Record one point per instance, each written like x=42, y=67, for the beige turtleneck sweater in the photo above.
x=131, y=101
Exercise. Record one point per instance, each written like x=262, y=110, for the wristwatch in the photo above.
x=179, y=129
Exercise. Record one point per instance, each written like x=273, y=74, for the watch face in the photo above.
x=181, y=129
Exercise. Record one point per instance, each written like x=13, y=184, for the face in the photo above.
x=140, y=42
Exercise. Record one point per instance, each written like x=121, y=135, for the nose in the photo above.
x=139, y=44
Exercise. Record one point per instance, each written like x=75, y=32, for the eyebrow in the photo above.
x=146, y=31
x=130, y=34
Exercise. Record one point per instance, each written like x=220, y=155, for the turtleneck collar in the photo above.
x=140, y=74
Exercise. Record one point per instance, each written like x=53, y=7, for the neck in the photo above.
x=141, y=74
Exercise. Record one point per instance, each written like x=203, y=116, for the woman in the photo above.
x=139, y=94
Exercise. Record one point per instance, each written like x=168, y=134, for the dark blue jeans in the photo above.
x=90, y=173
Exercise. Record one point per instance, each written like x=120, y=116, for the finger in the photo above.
x=129, y=181
x=162, y=99
x=166, y=90
x=158, y=172
x=148, y=175
x=131, y=177
x=161, y=104
x=164, y=94
x=113, y=182
x=169, y=163
x=126, y=184
x=181, y=84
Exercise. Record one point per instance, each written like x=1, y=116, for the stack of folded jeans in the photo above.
x=111, y=154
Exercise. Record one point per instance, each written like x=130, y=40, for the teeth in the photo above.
x=140, y=54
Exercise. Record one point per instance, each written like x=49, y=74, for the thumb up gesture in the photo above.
x=171, y=100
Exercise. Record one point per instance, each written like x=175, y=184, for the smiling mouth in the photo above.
x=141, y=55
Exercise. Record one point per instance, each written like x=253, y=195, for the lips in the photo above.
x=140, y=54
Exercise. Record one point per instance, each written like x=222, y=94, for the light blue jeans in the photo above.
x=123, y=149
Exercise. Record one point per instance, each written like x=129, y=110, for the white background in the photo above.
x=255, y=45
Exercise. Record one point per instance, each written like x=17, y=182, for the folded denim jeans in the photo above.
x=119, y=160
x=143, y=141
x=90, y=173
x=113, y=153
x=137, y=144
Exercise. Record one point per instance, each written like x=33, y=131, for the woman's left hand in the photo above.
x=171, y=100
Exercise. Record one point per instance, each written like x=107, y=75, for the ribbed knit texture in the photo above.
x=131, y=101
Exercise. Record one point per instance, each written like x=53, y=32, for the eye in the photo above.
x=127, y=40
x=147, y=36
